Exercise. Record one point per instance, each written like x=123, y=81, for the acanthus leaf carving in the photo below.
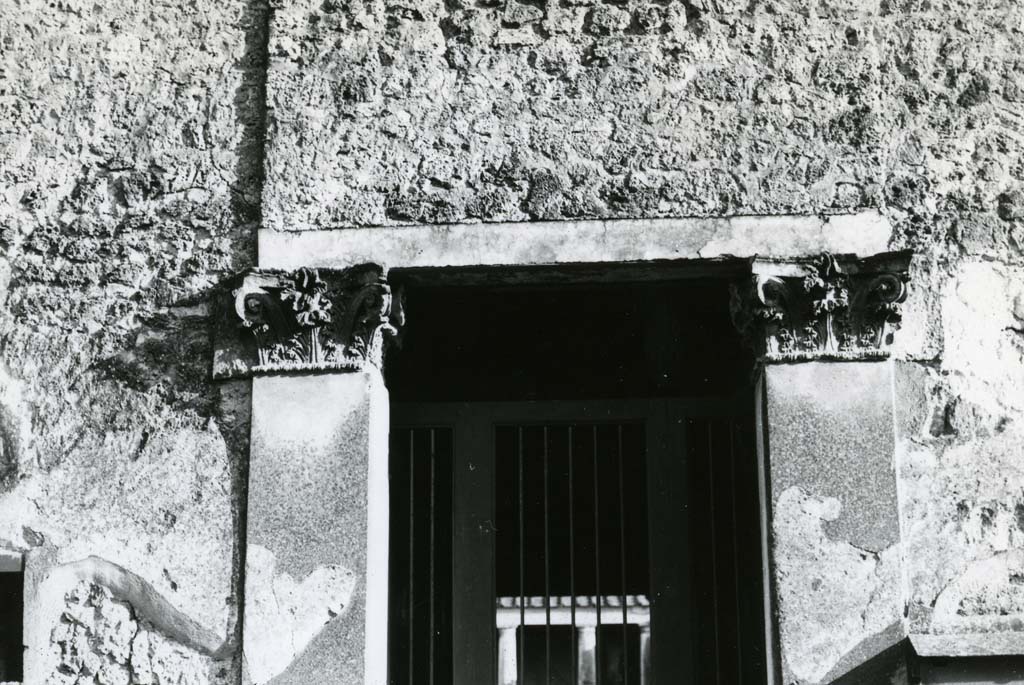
x=308, y=320
x=824, y=308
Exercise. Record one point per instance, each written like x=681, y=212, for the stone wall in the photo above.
x=131, y=150
x=390, y=112
x=101, y=639
x=432, y=111
x=130, y=157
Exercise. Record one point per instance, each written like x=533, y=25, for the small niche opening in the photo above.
x=12, y=607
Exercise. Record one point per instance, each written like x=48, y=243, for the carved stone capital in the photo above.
x=823, y=308
x=305, y=320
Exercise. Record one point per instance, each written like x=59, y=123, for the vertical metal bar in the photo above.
x=572, y=563
x=547, y=571
x=714, y=547
x=522, y=569
x=597, y=568
x=473, y=592
x=738, y=659
x=433, y=627
x=412, y=552
x=622, y=556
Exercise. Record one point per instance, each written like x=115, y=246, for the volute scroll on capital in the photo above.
x=305, y=320
x=826, y=307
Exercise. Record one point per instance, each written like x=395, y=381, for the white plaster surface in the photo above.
x=284, y=614
x=316, y=581
x=565, y=242
x=825, y=582
x=983, y=324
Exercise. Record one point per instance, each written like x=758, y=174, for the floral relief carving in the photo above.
x=828, y=288
x=822, y=308
x=307, y=296
x=306, y=320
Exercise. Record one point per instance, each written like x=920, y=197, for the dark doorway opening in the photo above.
x=558, y=342
x=12, y=583
x=574, y=487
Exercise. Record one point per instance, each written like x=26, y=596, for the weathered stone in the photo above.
x=517, y=13
x=822, y=308
x=840, y=603
x=132, y=156
x=130, y=166
x=316, y=581
x=826, y=85
x=834, y=513
x=783, y=237
x=300, y=321
x=100, y=638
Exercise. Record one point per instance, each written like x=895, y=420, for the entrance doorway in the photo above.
x=573, y=488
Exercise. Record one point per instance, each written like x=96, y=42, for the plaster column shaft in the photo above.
x=834, y=524
x=317, y=546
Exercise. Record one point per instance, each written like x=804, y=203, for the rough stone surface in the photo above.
x=100, y=639
x=131, y=149
x=434, y=112
x=401, y=112
x=960, y=454
x=130, y=155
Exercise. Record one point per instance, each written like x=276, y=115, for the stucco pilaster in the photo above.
x=823, y=329
x=317, y=534
x=316, y=548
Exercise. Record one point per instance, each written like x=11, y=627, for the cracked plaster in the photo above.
x=827, y=582
x=283, y=614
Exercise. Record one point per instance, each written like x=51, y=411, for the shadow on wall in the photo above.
x=251, y=113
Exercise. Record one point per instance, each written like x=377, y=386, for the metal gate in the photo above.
x=604, y=543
